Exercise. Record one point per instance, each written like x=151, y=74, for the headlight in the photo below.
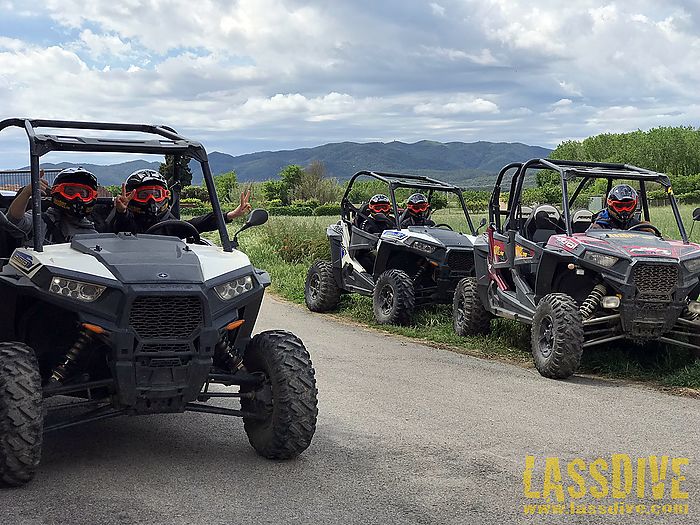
x=79, y=290
x=601, y=259
x=423, y=246
x=231, y=289
x=693, y=265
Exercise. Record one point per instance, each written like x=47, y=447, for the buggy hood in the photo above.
x=622, y=243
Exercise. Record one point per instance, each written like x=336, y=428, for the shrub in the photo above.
x=194, y=192
x=195, y=212
x=191, y=202
x=294, y=211
x=327, y=210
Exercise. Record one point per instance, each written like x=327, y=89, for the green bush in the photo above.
x=194, y=192
x=327, y=210
x=192, y=202
x=195, y=212
x=293, y=211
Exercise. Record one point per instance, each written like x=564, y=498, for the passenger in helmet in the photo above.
x=621, y=207
x=145, y=201
x=73, y=196
x=417, y=212
x=379, y=218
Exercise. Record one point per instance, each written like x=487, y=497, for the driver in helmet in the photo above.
x=145, y=201
x=379, y=218
x=73, y=197
x=619, y=214
x=417, y=212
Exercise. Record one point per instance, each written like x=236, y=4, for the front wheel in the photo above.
x=393, y=298
x=285, y=404
x=469, y=317
x=321, y=292
x=21, y=414
x=557, y=336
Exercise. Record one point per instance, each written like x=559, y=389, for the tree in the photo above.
x=167, y=170
x=272, y=190
x=314, y=184
x=226, y=186
x=289, y=178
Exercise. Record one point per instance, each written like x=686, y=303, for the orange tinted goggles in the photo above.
x=380, y=208
x=146, y=193
x=419, y=208
x=623, y=205
x=72, y=191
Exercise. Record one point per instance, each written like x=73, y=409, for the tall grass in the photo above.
x=286, y=246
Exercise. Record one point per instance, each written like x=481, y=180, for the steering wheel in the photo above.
x=178, y=228
x=445, y=225
x=645, y=225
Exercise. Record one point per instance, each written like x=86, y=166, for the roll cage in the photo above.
x=568, y=171
x=166, y=141
x=395, y=181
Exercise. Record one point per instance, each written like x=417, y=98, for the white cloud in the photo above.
x=461, y=104
x=437, y=9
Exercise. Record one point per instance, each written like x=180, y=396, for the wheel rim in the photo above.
x=545, y=337
x=386, y=299
x=314, y=285
x=460, y=311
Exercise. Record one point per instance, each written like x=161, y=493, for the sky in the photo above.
x=252, y=75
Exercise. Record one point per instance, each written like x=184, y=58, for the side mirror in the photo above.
x=696, y=214
x=257, y=217
x=482, y=223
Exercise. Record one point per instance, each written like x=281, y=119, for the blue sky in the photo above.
x=251, y=75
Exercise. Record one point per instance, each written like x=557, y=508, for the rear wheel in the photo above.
x=394, y=298
x=557, y=336
x=469, y=317
x=321, y=292
x=286, y=402
x=21, y=414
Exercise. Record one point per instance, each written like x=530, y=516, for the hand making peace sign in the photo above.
x=121, y=202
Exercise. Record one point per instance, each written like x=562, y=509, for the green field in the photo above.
x=286, y=246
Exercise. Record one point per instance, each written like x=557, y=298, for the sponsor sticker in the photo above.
x=396, y=234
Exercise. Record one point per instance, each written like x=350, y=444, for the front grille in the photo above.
x=460, y=261
x=166, y=347
x=655, y=281
x=171, y=317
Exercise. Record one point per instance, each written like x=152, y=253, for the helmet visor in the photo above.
x=155, y=193
x=72, y=191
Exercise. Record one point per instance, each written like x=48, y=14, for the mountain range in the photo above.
x=469, y=164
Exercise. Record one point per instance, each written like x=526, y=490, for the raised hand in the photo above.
x=243, y=208
x=121, y=202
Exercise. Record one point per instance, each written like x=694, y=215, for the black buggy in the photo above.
x=400, y=268
x=139, y=324
x=579, y=287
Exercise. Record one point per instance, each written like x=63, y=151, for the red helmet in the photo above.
x=622, y=202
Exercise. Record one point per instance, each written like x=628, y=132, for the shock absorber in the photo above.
x=72, y=358
x=419, y=273
x=591, y=303
x=227, y=355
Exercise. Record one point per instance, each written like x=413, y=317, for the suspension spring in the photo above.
x=72, y=358
x=419, y=274
x=228, y=355
x=591, y=303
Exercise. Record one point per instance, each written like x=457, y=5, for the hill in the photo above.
x=471, y=164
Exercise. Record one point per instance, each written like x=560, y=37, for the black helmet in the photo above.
x=622, y=202
x=379, y=203
x=151, y=200
x=417, y=203
x=74, y=191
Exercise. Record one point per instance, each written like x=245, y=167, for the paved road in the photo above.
x=406, y=434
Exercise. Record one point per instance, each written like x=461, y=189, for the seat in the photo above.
x=581, y=221
x=543, y=222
